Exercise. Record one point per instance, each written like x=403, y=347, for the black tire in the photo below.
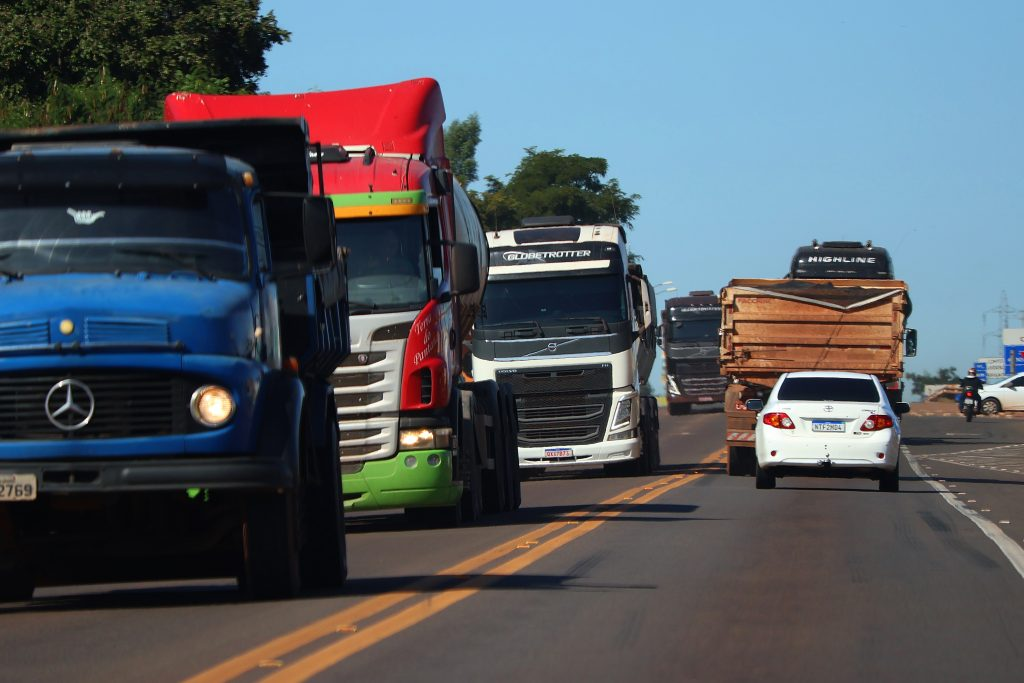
x=765, y=477
x=324, y=562
x=679, y=408
x=741, y=461
x=890, y=481
x=512, y=447
x=969, y=413
x=271, y=546
x=16, y=585
x=990, y=406
x=497, y=485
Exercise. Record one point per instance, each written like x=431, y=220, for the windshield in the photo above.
x=551, y=300
x=828, y=389
x=386, y=262
x=155, y=230
x=693, y=329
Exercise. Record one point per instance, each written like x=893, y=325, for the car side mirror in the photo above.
x=754, y=404
x=901, y=408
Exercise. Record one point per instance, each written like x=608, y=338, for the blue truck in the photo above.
x=174, y=303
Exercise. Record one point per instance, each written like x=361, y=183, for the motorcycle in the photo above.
x=971, y=404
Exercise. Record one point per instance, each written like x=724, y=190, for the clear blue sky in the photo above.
x=748, y=127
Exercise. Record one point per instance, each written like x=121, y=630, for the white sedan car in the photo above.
x=828, y=424
x=1005, y=395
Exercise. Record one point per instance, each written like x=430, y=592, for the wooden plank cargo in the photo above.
x=770, y=327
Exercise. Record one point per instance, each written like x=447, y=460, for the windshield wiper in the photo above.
x=360, y=308
x=174, y=258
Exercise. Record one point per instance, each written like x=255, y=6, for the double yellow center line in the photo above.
x=345, y=629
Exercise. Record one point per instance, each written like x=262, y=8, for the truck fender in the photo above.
x=279, y=432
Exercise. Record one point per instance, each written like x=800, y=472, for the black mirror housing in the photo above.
x=910, y=343
x=754, y=404
x=465, y=275
x=318, y=231
x=901, y=408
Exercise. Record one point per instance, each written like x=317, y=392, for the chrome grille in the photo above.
x=562, y=419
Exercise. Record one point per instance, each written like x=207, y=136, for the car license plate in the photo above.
x=824, y=426
x=17, y=487
x=558, y=453
x=704, y=399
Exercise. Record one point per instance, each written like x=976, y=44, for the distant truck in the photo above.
x=774, y=326
x=690, y=340
x=841, y=260
x=567, y=323
x=413, y=435
x=173, y=306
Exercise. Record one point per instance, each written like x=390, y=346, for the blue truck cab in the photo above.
x=173, y=303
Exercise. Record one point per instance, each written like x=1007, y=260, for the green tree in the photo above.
x=552, y=182
x=89, y=61
x=919, y=381
x=460, y=143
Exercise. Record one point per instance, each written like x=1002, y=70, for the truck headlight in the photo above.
x=424, y=438
x=673, y=388
x=212, y=405
x=622, y=412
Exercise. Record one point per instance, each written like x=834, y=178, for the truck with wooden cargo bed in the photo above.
x=412, y=434
x=174, y=304
x=770, y=327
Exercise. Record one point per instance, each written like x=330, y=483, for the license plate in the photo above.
x=18, y=487
x=557, y=452
x=823, y=426
x=704, y=399
x=968, y=401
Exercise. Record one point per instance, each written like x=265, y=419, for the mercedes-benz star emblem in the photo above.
x=70, y=405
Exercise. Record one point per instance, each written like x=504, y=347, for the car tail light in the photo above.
x=875, y=423
x=778, y=420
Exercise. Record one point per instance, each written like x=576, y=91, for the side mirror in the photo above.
x=318, y=231
x=910, y=343
x=901, y=408
x=442, y=180
x=754, y=404
x=465, y=275
x=659, y=335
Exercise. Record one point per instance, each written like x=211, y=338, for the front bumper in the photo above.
x=605, y=452
x=104, y=476
x=391, y=483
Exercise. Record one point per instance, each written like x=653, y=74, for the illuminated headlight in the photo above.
x=421, y=439
x=622, y=413
x=212, y=406
x=625, y=434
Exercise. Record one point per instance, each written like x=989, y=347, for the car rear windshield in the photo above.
x=828, y=389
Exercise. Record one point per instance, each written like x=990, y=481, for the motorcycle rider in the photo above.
x=971, y=381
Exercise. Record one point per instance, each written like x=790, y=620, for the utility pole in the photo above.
x=1003, y=311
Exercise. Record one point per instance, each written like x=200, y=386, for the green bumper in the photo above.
x=390, y=483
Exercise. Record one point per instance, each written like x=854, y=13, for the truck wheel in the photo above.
x=16, y=585
x=741, y=461
x=511, y=447
x=765, y=478
x=270, y=546
x=652, y=441
x=679, y=408
x=497, y=492
x=324, y=558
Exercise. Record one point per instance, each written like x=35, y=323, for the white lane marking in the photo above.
x=1013, y=552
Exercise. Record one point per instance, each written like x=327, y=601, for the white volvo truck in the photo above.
x=567, y=323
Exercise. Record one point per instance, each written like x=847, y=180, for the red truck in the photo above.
x=412, y=435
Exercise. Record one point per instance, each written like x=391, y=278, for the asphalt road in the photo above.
x=686, y=575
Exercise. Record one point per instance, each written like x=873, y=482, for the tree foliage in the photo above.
x=460, y=143
x=90, y=61
x=551, y=182
x=919, y=381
